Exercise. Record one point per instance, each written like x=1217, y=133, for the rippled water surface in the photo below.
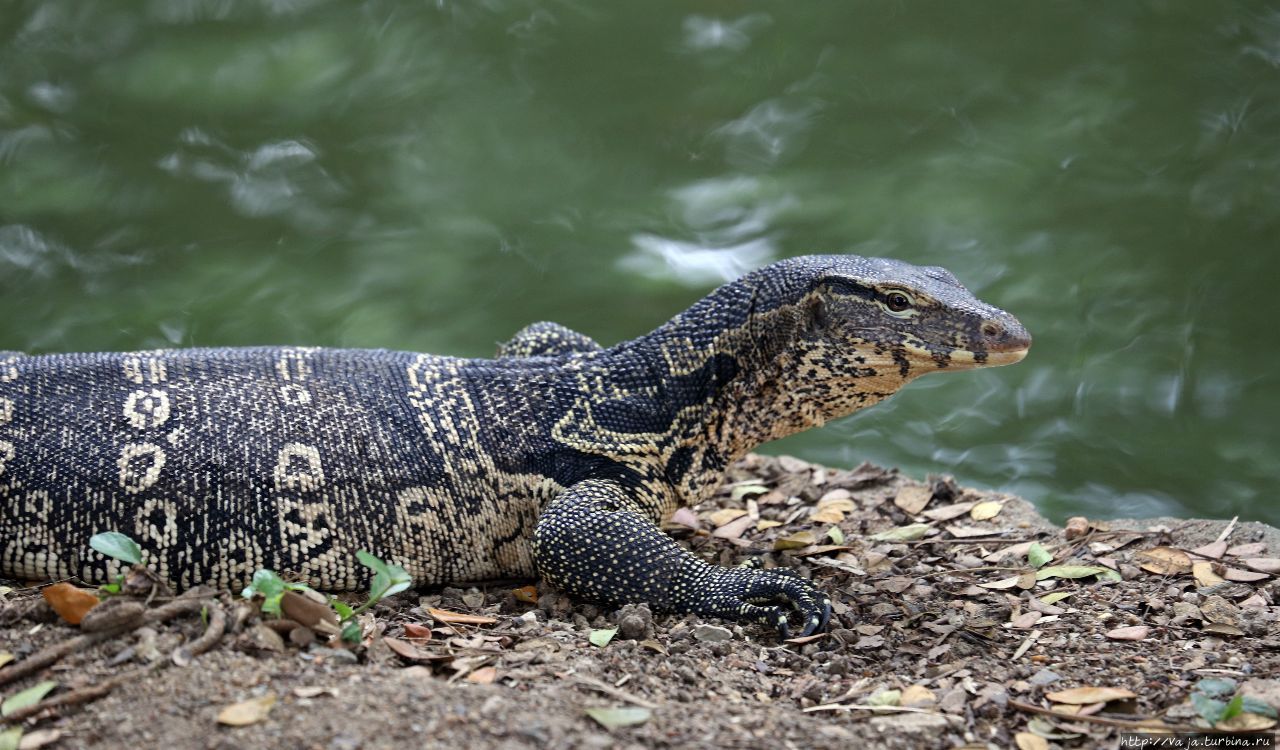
x=434, y=175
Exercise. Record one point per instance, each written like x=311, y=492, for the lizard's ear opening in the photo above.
x=817, y=317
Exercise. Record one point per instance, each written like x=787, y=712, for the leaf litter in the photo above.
x=959, y=622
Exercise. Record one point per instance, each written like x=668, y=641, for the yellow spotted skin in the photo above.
x=558, y=457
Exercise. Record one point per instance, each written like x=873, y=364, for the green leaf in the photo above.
x=1253, y=705
x=1214, y=686
x=1209, y=709
x=836, y=535
x=1038, y=556
x=371, y=562
x=1055, y=597
x=343, y=609
x=907, y=533
x=1069, y=571
x=10, y=738
x=622, y=716
x=885, y=698
x=351, y=632
x=116, y=545
x=110, y=588
x=28, y=697
x=1234, y=707
x=602, y=637
x=748, y=489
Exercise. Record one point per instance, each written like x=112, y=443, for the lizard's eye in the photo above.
x=897, y=302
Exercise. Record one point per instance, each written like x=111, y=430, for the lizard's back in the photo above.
x=223, y=461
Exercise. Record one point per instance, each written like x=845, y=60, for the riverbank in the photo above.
x=961, y=618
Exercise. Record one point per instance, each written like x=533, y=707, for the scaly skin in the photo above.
x=558, y=458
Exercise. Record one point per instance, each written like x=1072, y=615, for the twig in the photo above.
x=183, y=655
x=1122, y=723
x=1227, y=531
x=83, y=695
x=879, y=709
x=53, y=654
x=608, y=689
x=1026, y=644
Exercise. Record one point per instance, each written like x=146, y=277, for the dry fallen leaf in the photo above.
x=312, y=614
x=5, y=658
x=1203, y=571
x=685, y=517
x=1026, y=620
x=907, y=533
x=827, y=515
x=762, y=525
x=415, y=632
x=734, y=528
x=1077, y=526
x=1264, y=564
x=1213, y=550
x=1086, y=695
x=917, y=695
x=985, y=511
x=1029, y=741
x=965, y=532
x=1164, y=561
x=248, y=712
x=459, y=618
x=1243, y=576
x=1222, y=628
x=1246, y=722
x=39, y=738
x=1003, y=583
x=71, y=603
x=611, y=718
x=483, y=676
x=1252, y=549
x=725, y=515
x=404, y=649
x=1130, y=633
x=795, y=541
x=948, y=512
x=913, y=499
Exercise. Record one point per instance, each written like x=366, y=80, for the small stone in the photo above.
x=711, y=633
x=913, y=724
x=338, y=656
x=1044, y=677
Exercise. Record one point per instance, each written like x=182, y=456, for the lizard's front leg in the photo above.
x=596, y=542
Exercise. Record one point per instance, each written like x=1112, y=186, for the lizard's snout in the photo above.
x=1005, y=340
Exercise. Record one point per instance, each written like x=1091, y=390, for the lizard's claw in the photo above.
x=766, y=596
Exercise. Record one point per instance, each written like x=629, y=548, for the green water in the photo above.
x=434, y=175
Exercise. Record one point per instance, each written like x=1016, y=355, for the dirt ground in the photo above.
x=941, y=636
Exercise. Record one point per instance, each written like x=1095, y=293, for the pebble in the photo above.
x=1044, y=677
x=711, y=633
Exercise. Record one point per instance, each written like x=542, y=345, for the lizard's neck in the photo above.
x=739, y=371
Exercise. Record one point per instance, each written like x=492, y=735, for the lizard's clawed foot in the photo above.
x=766, y=596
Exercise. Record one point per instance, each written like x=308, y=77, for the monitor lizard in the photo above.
x=557, y=458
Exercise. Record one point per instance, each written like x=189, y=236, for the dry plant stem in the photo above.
x=207, y=640
x=82, y=695
x=610, y=690
x=1122, y=723
x=53, y=654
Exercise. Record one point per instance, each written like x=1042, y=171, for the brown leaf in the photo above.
x=459, y=618
x=1252, y=549
x=913, y=499
x=948, y=512
x=1003, y=583
x=827, y=515
x=1222, y=628
x=1029, y=741
x=985, y=511
x=725, y=515
x=1217, y=609
x=1085, y=695
x=916, y=695
x=39, y=738
x=1027, y=580
x=416, y=632
x=1243, y=576
x=1130, y=633
x=1264, y=564
x=795, y=541
x=801, y=640
x=1213, y=550
x=1246, y=722
x=311, y=614
x=1203, y=571
x=405, y=650
x=1026, y=620
x=483, y=676
x=69, y=602
x=1164, y=561
x=686, y=517
x=248, y=712
x=896, y=584
x=526, y=594
x=734, y=528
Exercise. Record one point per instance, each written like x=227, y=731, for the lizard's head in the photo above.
x=867, y=326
